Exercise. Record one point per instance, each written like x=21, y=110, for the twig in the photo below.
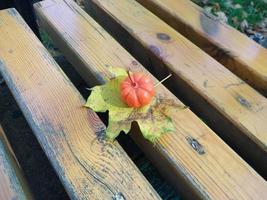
x=157, y=84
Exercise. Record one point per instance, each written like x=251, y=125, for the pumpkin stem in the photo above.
x=158, y=83
x=129, y=75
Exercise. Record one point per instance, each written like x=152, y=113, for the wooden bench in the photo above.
x=231, y=107
x=198, y=163
x=12, y=182
x=70, y=135
x=204, y=169
x=233, y=49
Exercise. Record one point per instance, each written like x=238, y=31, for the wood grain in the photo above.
x=70, y=135
x=230, y=106
x=234, y=50
x=215, y=172
x=12, y=184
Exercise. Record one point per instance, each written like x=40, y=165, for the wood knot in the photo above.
x=195, y=145
x=243, y=102
x=163, y=36
x=134, y=62
x=155, y=50
x=118, y=196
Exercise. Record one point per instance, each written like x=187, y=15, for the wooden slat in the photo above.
x=12, y=182
x=197, y=175
x=231, y=107
x=70, y=135
x=233, y=49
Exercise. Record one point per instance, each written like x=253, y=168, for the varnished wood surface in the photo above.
x=211, y=170
x=233, y=49
x=230, y=106
x=12, y=183
x=70, y=134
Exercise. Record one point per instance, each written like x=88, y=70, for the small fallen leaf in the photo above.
x=153, y=119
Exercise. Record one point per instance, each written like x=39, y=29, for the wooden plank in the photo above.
x=25, y=8
x=12, y=184
x=71, y=135
x=234, y=50
x=231, y=107
x=90, y=49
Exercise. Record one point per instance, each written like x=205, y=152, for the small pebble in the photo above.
x=257, y=37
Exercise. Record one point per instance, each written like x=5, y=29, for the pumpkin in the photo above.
x=137, y=90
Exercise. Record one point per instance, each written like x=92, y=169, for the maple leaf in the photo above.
x=153, y=119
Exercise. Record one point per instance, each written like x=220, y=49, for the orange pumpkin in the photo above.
x=137, y=90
